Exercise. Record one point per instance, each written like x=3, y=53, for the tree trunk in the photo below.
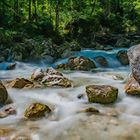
x=16, y=9
x=30, y=6
x=35, y=10
x=57, y=10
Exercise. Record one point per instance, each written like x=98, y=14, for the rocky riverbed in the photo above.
x=96, y=104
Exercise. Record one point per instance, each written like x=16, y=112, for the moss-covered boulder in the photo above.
x=3, y=94
x=122, y=57
x=103, y=94
x=101, y=61
x=36, y=111
x=132, y=87
x=19, y=83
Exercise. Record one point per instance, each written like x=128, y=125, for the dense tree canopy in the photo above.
x=112, y=14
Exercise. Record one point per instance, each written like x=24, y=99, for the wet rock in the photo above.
x=122, y=57
x=62, y=66
x=55, y=78
x=103, y=94
x=132, y=87
x=51, y=71
x=11, y=66
x=90, y=110
x=37, y=74
x=3, y=94
x=80, y=63
x=102, y=61
x=6, y=111
x=36, y=111
x=134, y=59
x=117, y=77
x=19, y=83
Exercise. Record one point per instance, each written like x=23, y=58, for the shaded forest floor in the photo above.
x=30, y=42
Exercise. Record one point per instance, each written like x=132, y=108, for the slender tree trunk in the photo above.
x=35, y=10
x=43, y=7
x=93, y=7
x=30, y=7
x=57, y=11
x=16, y=9
x=50, y=9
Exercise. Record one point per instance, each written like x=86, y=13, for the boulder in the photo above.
x=122, y=57
x=134, y=59
x=52, y=71
x=41, y=79
x=11, y=66
x=36, y=111
x=101, y=61
x=103, y=94
x=50, y=77
x=3, y=94
x=132, y=87
x=19, y=83
x=37, y=74
x=6, y=111
x=80, y=63
x=56, y=80
x=62, y=66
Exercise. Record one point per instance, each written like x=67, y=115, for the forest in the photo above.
x=68, y=24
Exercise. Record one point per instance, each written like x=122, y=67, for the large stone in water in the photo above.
x=11, y=66
x=55, y=78
x=3, y=94
x=122, y=57
x=19, y=83
x=132, y=87
x=102, y=61
x=36, y=111
x=134, y=59
x=37, y=74
x=78, y=63
x=81, y=63
x=103, y=94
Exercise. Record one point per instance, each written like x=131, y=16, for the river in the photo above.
x=118, y=121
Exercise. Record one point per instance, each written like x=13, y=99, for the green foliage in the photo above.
x=70, y=24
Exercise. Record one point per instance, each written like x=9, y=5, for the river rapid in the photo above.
x=117, y=121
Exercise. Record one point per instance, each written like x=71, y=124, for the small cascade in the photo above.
x=109, y=56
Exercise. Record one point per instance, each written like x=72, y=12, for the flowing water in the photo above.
x=118, y=121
